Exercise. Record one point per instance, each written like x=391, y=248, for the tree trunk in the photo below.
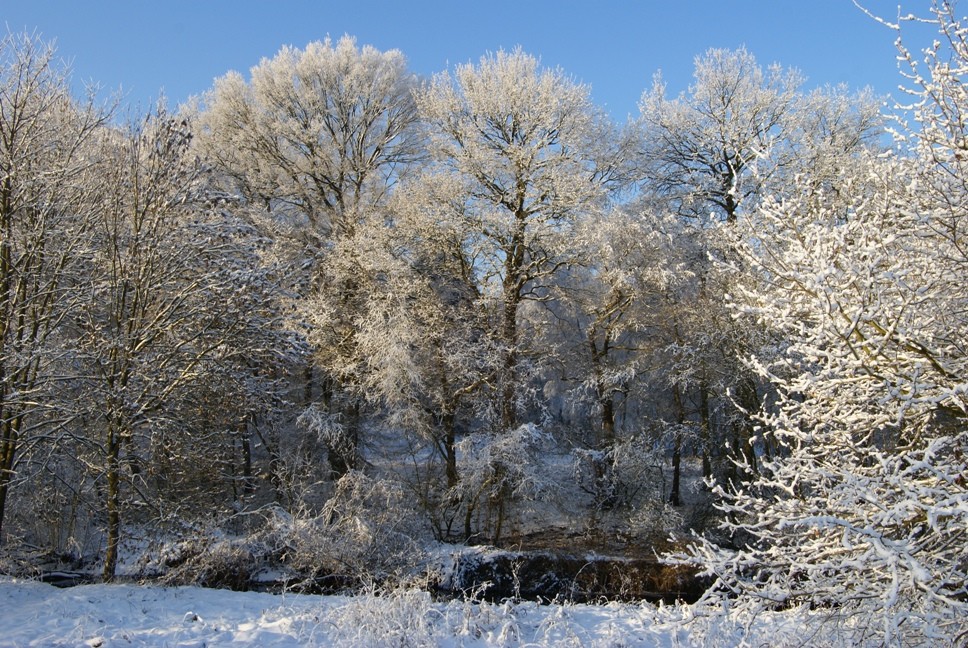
x=499, y=500
x=499, y=523
x=509, y=414
x=113, y=505
x=4, y=488
x=8, y=444
x=248, y=483
x=309, y=382
x=8, y=454
x=608, y=421
x=449, y=421
x=468, y=517
x=602, y=393
x=275, y=466
x=749, y=400
x=8, y=450
x=675, y=495
x=705, y=431
x=512, y=287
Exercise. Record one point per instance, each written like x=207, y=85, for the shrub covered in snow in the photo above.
x=366, y=533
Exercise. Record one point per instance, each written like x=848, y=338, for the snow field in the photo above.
x=38, y=615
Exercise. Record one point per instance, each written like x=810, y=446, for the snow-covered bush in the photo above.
x=655, y=522
x=628, y=481
x=205, y=556
x=223, y=564
x=497, y=469
x=367, y=532
x=402, y=617
x=625, y=475
x=329, y=429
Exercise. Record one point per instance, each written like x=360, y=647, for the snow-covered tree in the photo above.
x=315, y=135
x=162, y=304
x=313, y=141
x=863, y=509
x=529, y=154
x=710, y=150
x=431, y=314
x=742, y=132
x=222, y=442
x=620, y=269
x=601, y=333
x=711, y=155
x=45, y=212
x=496, y=470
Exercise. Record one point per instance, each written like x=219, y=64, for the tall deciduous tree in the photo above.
x=45, y=160
x=740, y=134
x=711, y=150
x=161, y=306
x=434, y=282
x=313, y=141
x=530, y=153
x=316, y=135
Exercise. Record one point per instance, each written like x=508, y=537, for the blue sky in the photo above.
x=615, y=46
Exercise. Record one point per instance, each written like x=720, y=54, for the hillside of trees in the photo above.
x=331, y=313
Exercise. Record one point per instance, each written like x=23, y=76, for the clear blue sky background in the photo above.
x=180, y=46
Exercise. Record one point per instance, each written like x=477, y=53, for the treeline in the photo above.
x=333, y=269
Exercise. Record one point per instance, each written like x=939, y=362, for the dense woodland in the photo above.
x=338, y=311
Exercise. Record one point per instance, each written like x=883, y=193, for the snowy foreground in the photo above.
x=35, y=614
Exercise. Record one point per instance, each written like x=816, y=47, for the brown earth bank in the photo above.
x=561, y=565
x=547, y=576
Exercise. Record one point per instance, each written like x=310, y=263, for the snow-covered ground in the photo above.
x=36, y=614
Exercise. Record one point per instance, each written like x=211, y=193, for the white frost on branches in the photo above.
x=863, y=508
